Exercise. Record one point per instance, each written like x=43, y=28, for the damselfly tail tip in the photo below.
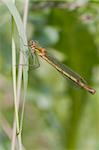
x=91, y=90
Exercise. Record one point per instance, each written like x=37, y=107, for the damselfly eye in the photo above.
x=30, y=43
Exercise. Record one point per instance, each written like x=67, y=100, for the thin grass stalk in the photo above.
x=25, y=79
x=14, y=87
x=19, y=80
x=14, y=84
x=16, y=17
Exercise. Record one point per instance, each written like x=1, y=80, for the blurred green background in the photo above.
x=58, y=114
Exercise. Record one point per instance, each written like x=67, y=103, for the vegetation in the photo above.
x=39, y=107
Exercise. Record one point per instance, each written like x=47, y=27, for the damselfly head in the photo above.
x=30, y=43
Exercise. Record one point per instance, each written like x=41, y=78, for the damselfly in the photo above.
x=63, y=69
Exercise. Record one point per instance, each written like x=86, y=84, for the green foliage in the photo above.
x=58, y=114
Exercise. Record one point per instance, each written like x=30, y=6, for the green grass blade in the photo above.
x=23, y=41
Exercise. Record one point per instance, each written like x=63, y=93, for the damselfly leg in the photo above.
x=33, y=61
x=32, y=58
